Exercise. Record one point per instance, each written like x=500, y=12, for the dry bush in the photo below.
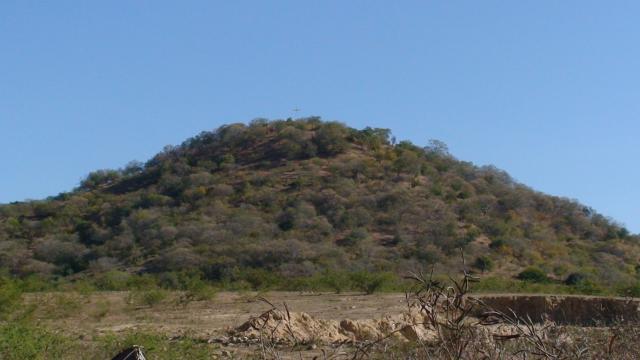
x=443, y=322
x=467, y=328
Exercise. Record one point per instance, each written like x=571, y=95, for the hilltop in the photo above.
x=298, y=197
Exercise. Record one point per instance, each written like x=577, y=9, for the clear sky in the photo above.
x=546, y=90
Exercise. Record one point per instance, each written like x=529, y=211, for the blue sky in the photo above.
x=547, y=90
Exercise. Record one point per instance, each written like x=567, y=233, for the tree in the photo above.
x=331, y=139
x=225, y=199
x=227, y=161
x=99, y=178
x=533, y=274
x=132, y=168
x=67, y=255
x=374, y=138
x=407, y=162
x=355, y=237
x=575, y=278
x=294, y=143
x=437, y=147
x=484, y=263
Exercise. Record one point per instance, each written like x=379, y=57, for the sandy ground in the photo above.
x=109, y=311
x=85, y=316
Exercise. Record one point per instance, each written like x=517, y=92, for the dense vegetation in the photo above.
x=298, y=197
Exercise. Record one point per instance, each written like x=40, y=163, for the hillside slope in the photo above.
x=300, y=196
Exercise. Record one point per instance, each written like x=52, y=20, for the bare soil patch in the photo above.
x=238, y=321
x=109, y=311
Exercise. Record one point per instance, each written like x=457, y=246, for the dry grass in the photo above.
x=463, y=325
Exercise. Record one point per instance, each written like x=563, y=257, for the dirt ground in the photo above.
x=111, y=312
x=84, y=316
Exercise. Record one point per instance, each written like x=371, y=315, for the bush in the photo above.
x=148, y=298
x=575, y=279
x=632, y=290
x=258, y=279
x=112, y=280
x=497, y=284
x=227, y=199
x=497, y=243
x=101, y=310
x=156, y=346
x=330, y=139
x=588, y=287
x=84, y=287
x=21, y=341
x=196, y=289
x=484, y=263
x=36, y=282
x=533, y=274
x=355, y=237
x=337, y=281
x=63, y=305
x=10, y=296
x=142, y=282
x=368, y=282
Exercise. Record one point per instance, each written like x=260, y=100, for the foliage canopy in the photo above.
x=301, y=197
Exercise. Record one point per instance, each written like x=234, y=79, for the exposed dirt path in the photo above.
x=104, y=312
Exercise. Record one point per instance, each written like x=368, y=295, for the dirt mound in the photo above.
x=298, y=327
x=569, y=310
x=282, y=326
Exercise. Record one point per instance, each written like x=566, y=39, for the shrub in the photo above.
x=100, y=178
x=484, y=263
x=575, y=279
x=631, y=290
x=101, y=310
x=214, y=203
x=337, y=281
x=84, y=287
x=63, y=305
x=20, y=341
x=196, y=289
x=497, y=243
x=142, y=282
x=258, y=279
x=35, y=282
x=10, y=296
x=355, y=237
x=313, y=283
x=148, y=298
x=497, y=284
x=368, y=282
x=588, y=287
x=330, y=139
x=533, y=274
x=112, y=280
x=156, y=346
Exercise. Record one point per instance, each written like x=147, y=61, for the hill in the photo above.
x=298, y=197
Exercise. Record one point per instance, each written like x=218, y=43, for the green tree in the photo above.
x=331, y=139
x=533, y=274
x=407, y=162
x=484, y=263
